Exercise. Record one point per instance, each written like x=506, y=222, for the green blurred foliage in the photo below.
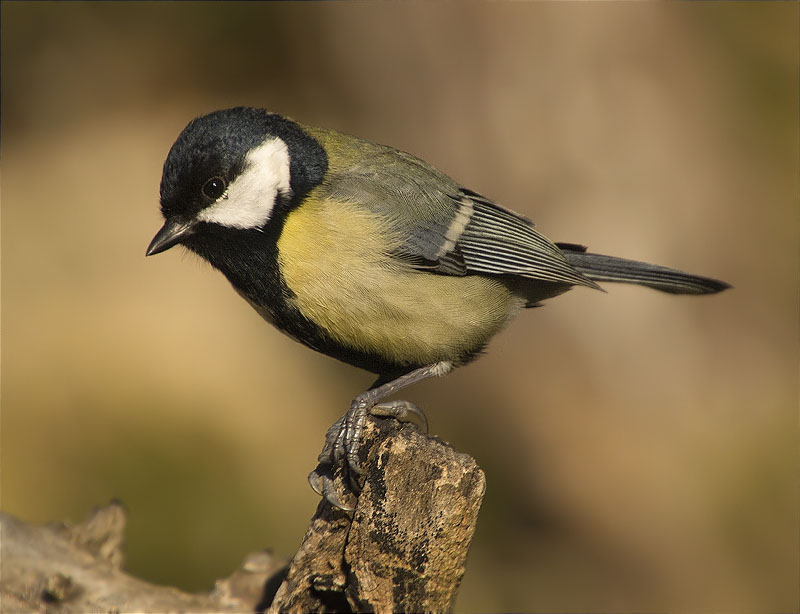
x=640, y=449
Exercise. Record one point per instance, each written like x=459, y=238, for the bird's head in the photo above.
x=234, y=168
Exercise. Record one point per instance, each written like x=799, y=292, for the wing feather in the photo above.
x=443, y=227
x=501, y=242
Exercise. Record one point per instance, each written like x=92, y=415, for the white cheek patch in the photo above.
x=250, y=198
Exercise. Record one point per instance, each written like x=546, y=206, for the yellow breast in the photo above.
x=334, y=257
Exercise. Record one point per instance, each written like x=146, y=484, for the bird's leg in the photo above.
x=344, y=437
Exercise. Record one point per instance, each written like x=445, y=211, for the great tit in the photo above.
x=367, y=254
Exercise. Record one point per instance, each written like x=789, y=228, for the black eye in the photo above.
x=214, y=187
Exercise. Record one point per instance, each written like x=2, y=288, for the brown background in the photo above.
x=640, y=449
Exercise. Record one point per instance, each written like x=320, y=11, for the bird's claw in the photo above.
x=402, y=411
x=340, y=452
x=323, y=485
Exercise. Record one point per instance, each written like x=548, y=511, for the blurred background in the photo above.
x=640, y=448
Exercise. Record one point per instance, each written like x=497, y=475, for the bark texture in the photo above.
x=404, y=548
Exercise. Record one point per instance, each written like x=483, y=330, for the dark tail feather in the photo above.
x=608, y=268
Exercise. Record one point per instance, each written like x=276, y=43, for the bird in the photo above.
x=367, y=254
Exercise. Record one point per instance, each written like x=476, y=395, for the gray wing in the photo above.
x=448, y=229
x=499, y=241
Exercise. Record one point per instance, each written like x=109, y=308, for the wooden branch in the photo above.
x=404, y=547
x=78, y=569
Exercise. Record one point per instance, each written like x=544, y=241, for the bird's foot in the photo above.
x=340, y=453
x=339, y=456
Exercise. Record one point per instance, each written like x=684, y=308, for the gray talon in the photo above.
x=315, y=480
x=329, y=492
x=402, y=411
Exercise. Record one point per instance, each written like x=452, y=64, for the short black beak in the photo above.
x=171, y=233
